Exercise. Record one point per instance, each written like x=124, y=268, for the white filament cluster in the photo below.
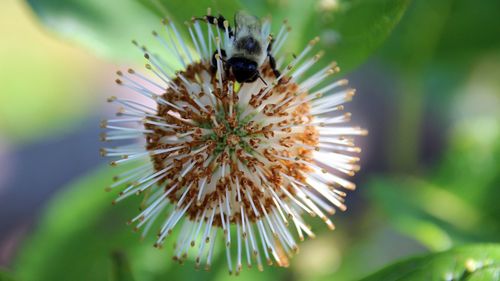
x=248, y=182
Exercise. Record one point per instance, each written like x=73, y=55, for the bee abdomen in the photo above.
x=249, y=45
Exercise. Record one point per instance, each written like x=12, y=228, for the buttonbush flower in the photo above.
x=238, y=163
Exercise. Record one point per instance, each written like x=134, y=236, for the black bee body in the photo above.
x=248, y=51
x=249, y=44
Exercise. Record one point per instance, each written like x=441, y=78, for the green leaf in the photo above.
x=181, y=11
x=106, y=27
x=440, y=36
x=465, y=181
x=352, y=30
x=77, y=233
x=414, y=207
x=474, y=262
x=480, y=24
x=414, y=41
x=41, y=79
x=5, y=276
x=474, y=147
x=120, y=268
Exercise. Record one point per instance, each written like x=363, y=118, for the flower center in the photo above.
x=234, y=143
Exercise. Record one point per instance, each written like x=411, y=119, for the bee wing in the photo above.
x=246, y=23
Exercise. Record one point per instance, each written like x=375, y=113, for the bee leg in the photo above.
x=272, y=61
x=219, y=22
x=213, y=61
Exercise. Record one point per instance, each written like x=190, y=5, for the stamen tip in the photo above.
x=314, y=41
x=103, y=123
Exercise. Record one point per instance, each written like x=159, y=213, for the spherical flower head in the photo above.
x=240, y=161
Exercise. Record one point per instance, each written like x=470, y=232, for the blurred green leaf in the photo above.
x=5, y=276
x=353, y=30
x=415, y=207
x=77, y=233
x=415, y=39
x=440, y=40
x=474, y=262
x=456, y=200
x=471, y=30
x=120, y=268
x=41, y=79
x=472, y=159
x=106, y=27
x=182, y=11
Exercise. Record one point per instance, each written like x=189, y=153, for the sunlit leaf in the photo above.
x=474, y=262
x=44, y=83
x=107, y=27
x=415, y=207
x=472, y=160
x=181, y=11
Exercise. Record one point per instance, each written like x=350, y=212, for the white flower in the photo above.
x=240, y=161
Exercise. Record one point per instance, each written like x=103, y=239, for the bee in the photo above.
x=249, y=49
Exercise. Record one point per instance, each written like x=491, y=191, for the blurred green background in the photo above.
x=427, y=77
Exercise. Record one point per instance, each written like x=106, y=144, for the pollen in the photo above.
x=228, y=163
